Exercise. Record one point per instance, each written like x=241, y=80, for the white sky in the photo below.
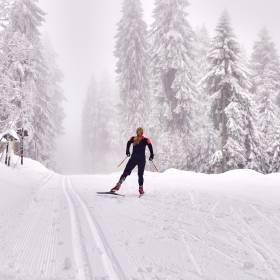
x=82, y=33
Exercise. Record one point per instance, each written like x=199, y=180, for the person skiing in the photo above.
x=137, y=158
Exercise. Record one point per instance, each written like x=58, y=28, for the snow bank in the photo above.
x=17, y=183
x=248, y=184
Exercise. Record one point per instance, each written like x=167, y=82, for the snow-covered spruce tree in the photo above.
x=26, y=19
x=55, y=96
x=16, y=57
x=232, y=111
x=204, y=133
x=7, y=87
x=131, y=52
x=265, y=68
x=173, y=88
x=28, y=73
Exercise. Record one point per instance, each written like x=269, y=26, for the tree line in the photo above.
x=31, y=97
x=207, y=106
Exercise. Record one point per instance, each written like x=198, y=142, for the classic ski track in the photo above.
x=77, y=245
x=191, y=255
x=21, y=244
x=131, y=258
x=22, y=261
x=110, y=264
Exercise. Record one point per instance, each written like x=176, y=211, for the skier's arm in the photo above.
x=129, y=142
x=150, y=146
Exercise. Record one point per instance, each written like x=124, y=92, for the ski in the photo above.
x=113, y=193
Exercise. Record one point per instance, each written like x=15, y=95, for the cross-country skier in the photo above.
x=137, y=158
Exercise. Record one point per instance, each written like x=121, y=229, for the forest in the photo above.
x=207, y=104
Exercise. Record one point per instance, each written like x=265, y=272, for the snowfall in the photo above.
x=187, y=226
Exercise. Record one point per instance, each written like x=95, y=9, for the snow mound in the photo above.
x=17, y=182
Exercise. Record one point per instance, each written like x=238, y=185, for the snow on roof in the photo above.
x=10, y=132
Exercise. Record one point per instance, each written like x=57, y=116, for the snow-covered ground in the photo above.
x=187, y=226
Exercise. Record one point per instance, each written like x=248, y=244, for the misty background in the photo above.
x=82, y=34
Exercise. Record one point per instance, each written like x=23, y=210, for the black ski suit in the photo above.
x=137, y=158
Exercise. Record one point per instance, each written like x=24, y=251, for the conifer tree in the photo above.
x=173, y=86
x=132, y=67
x=232, y=111
x=265, y=68
x=26, y=82
x=205, y=136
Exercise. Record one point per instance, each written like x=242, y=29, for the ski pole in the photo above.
x=154, y=166
x=122, y=162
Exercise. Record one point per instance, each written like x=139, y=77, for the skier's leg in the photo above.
x=127, y=171
x=141, y=168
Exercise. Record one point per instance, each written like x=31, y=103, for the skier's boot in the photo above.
x=141, y=190
x=116, y=188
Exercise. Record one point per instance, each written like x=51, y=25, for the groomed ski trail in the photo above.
x=33, y=248
x=90, y=248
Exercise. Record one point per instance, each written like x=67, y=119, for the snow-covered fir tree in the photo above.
x=132, y=67
x=26, y=85
x=53, y=102
x=54, y=78
x=26, y=19
x=173, y=86
x=204, y=134
x=232, y=110
x=265, y=68
x=202, y=44
x=16, y=66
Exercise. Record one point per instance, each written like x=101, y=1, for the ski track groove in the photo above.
x=43, y=251
x=50, y=241
x=55, y=236
x=132, y=259
x=192, y=257
x=23, y=252
x=76, y=235
x=110, y=263
x=21, y=240
x=33, y=254
x=37, y=263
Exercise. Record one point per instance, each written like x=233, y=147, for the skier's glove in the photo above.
x=151, y=157
x=128, y=154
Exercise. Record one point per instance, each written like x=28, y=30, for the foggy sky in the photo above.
x=82, y=33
